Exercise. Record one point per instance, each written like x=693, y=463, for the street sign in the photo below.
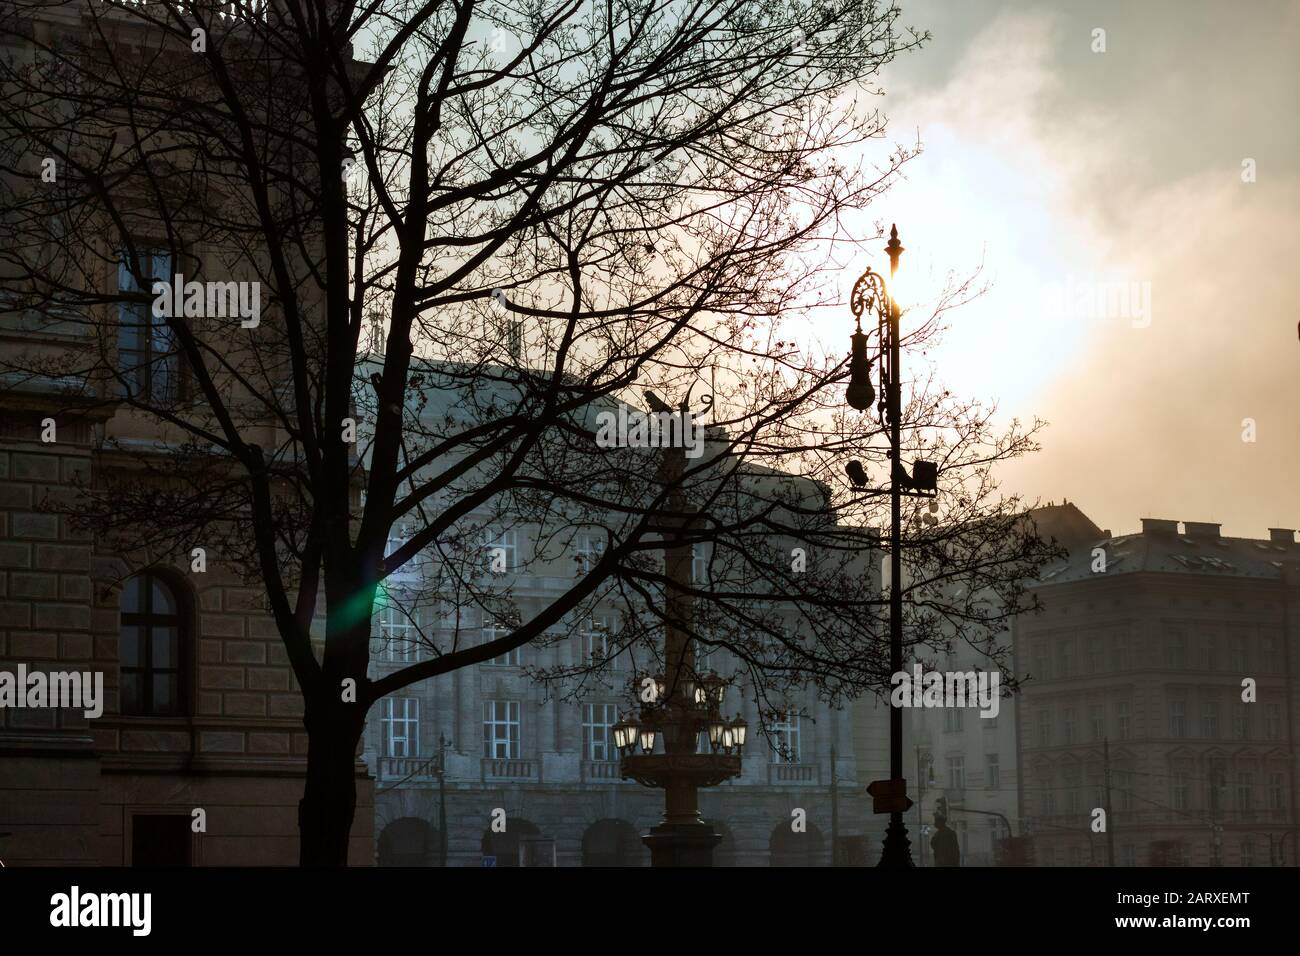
x=489, y=861
x=889, y=796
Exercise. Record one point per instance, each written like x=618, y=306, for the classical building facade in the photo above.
x=199, y=754
x=1165, y=692
x=971, y=762
x=200, y=712
x=489, y=766
x=485, y=745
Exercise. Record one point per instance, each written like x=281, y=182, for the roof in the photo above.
x=1162, y=549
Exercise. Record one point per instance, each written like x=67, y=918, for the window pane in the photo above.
x=164, y=693
x=164, y=647
x=130, y=647
x=132, y=326
x=163, y=601
x=131, y=594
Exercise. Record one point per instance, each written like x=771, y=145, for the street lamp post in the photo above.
x=681, y=705
x=871, y=295
x=442, y=800
x=922, y=781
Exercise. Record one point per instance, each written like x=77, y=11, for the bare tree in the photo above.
x=542, y=210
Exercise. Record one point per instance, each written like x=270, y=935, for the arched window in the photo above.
x=150, y=648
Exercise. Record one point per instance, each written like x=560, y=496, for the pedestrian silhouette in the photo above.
x=944, y=843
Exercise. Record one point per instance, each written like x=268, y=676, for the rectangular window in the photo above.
x=398, y=633
x=1177, y=649
x=1178, y=791
x=1122, y=725
x=1273, y=721
x=588, y=549
x=786, y=740
x=1178, y=718
x=1209, y=718
x=1065, y=651
x=410, y=569
x=992, y=772
x=400, y=726
x=1268, y=651
x=501, y=729
x=952, y=720
x=1095, y=655
x=1217, y=785
x=495, y=631
x=1241, y=722
x=1042, y=661
x=1277, y=791
x=699, y=564
x=595, y=636
x=500, y=551
x=957, y=773
x=1070, y=777
x=1044, y=728
x=1247, y=852
x=1097, y=721
x=1246, y=792
x=1067, y=725
x=147, y=354
x=598, y=722
x=1238, y=655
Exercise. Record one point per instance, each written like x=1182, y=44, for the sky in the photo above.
x=1135, y=213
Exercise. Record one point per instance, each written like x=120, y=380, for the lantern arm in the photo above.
x=869, y=294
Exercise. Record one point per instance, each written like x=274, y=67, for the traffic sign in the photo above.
x=889, y=796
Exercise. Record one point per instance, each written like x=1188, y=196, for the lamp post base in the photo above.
x=896, y=851
x=681, y=844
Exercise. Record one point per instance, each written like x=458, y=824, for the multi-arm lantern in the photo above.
x=695, y=710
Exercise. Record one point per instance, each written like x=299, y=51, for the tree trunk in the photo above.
x=330, y=799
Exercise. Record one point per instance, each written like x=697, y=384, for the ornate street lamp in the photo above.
x=684, y=705
x=871, y=296
x=625, y=735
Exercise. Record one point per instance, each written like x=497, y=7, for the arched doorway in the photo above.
x=408, y=841
x=504, y=847
x=788, y=848
x=613, y=842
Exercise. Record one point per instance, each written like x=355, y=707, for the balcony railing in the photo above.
x=787, y=774
x=508, y=769
x=602, y=771
x=411, y=769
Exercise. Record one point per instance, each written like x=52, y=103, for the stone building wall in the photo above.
x=72, y=787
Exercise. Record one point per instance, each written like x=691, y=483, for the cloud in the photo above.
x=1057, y=190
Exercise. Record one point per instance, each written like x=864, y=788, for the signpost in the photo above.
x=889, y=796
